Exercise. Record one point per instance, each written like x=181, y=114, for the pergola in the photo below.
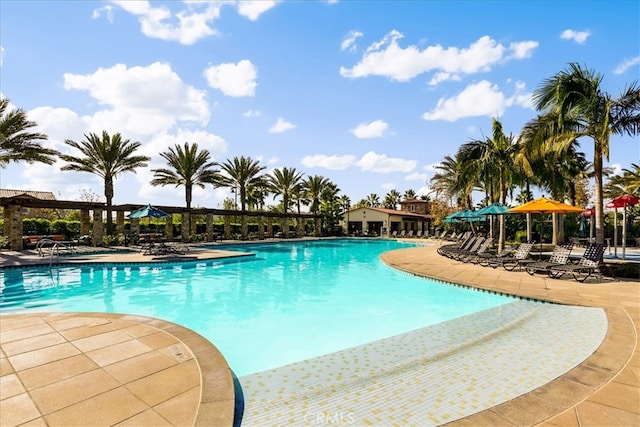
x=91, y=218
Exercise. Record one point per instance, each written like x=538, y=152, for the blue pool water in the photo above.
x=289, y=302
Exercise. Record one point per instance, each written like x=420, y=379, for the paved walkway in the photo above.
x=603, y=390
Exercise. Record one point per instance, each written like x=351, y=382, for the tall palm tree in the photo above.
x=409, y=194
x=392, y=199
x=242, y=174
x=17, y=143
x=574, y=106
x=450, y=183
x=106, y=156
x=314, y=185
x=372, y=200
x=189, y=167
x=283, y=182
x=627, y=183
x=489, y=159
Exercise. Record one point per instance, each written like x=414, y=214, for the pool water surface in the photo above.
x=289, y=302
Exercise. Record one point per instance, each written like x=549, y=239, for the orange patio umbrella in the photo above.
x=544, y=205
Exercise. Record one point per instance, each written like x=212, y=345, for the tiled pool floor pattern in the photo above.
x=602, y=390
x=433, y=375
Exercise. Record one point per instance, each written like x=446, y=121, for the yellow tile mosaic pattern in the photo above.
x=429, y=376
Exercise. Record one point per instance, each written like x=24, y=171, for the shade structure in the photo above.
x=495, y=208
x=621, y=202
x=544, y=205
x=148, y=212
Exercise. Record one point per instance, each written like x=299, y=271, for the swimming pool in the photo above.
x=289, y=302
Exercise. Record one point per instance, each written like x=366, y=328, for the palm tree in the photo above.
x=627, y=183
x=283, y=182
x=242, y=175
x=392, y=199
x=189, y=167
x=314, y=185
x=449, y=182
x=17, y=144
x=372, y=200
x=575, y=105
x=106, y=156
x=489, y=159
x=409, y=194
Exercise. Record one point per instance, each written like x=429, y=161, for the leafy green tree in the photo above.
x=574, y=105
x=284, y=182
x=106, y=156
x=242, y=174
x=17, y=143
x=189, y=167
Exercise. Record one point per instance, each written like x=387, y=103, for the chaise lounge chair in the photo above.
x=560, y=256
x=588, y=265
x=474, y=257
x=510, y=263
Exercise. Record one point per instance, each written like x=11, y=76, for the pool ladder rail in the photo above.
x=55, y=249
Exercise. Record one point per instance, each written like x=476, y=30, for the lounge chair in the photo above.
x=484, y=258
x=450, y=249
x=418, y=234
x=514, y=261
x=560, y=256
x=474, y=257
x=588, y=265
x=394, y=233
x=461, y=254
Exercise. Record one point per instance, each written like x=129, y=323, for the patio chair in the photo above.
x=588, y=265
x=474, y=257
x=560, y=256
x=461, y=254
x=449, y=249
x=418, y=234
x=484, y=258
x=515, y=260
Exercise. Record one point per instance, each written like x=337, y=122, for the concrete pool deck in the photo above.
x=602, y=390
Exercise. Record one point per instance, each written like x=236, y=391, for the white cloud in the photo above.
x=252, y=9
x=479, y=99
x=281, y=126
x=59, y=124
x=388, y=59
x=416, y=176
x=329, y=162
x=381, y=163
x=252, y=113
x=349, y=41
x=186, y=27
x=626, y=64
x=374, y=129
x=1, y=56
x=577, y=36
x=106, y=10
x=233, y=79
x=143, y=100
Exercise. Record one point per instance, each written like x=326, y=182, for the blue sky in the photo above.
x=371, y=94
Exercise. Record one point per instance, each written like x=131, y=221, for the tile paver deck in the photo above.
x=607, y=384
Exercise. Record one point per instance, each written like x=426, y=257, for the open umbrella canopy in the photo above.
x=545, y=205
x=624, y=200
x=588, y=212
x=495, y=208
x=148, y=212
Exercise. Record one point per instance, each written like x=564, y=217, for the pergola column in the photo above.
x=135, y=230
x=98, y=228
x=13, y=224
x=119, y=222
x=209, y=227
x=261, y=227
x=227, y=227
x=186, y=220
x=168, y=227
x=270, y=226
x=85, y=219
x=300, y=224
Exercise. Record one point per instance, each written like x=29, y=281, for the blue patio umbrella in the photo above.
x=495, y=208
x=148, y=212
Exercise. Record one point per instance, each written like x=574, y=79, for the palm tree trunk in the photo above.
x=108, y=194
x=597, y=169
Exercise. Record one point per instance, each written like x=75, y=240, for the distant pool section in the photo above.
x=289, y=302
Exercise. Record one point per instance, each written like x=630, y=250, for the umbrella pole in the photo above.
x=529, y=237
x=624, y=230
x=615, y=233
